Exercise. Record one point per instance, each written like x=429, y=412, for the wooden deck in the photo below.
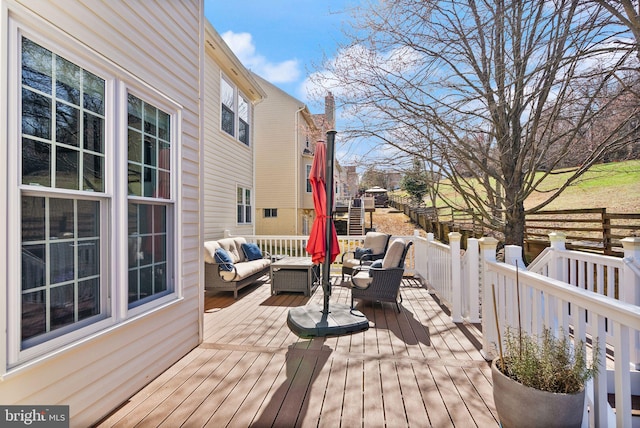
x=413, y=369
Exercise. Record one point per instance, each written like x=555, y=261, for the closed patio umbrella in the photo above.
x=317, y=245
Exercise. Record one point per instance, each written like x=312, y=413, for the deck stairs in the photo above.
x=356, y=220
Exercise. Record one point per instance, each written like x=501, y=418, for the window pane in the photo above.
x=164, y=125
x=150, y=157
x=61, y=218
x=226, y=94
x=33, y=218
x=67, y=81
x=243, y=109
x=150, y=120
x=33, y=266
x=93, y=133
x=240, y=214
x=62, y=262
x=37, y=65
x=135, y=179
x=34, y=314
x=243, y=132
x=159, y=219
x=93, y=92
x=36, y=162
x=149, y=182
x=67, y=168
x=239, y=196
x=88, y=219
x=93, y=173
x=227, y=120
x=88, y=298
x=67, y=124
x=88, y=258
x=247, y=217
x=36, y=114
x=62, y=306
x=135, y=146
x=134, y=111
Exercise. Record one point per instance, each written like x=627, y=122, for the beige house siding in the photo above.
x=159, y=45
x=228, y=163
x=282, y=124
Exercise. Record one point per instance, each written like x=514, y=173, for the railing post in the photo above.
x=558, y=244
x=488, y=247
x=429, y=278
x=473, y=280
x=456, y=282
x=630, y=290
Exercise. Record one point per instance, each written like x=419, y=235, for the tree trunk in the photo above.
x=514, y=224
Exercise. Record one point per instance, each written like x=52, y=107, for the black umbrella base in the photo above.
x=310, y=321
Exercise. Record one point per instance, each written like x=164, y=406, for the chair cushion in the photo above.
x=251, y=251
x=376, y=241
x=351, y=263
x=359, y=252
x=362, y=280
x=394, y=254
x=222, y=257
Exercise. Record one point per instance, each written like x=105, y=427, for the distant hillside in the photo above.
x=614, y=186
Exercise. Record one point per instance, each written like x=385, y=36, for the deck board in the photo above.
x=415, y=368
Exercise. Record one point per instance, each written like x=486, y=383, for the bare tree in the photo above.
x=627, y=13
x=487, y=93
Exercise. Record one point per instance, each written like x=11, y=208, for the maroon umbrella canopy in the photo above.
x=317, y=245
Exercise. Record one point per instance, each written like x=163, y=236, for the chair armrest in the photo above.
x=345, y=253
x=370, y=258
x=235, y=273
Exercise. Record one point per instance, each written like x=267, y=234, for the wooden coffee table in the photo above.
x=295, y=274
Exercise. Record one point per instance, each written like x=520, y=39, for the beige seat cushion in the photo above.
x=351, y=263
x=394, y=254
x=361, y=279
x=245, y=269
x=376, y=241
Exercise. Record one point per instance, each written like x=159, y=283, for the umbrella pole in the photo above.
x=326, y=268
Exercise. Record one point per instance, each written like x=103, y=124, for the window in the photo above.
x=244, y=205
x=270, y=212
x=62, y=195
x=69, y=201
x=150, y=209
x=235, y=112
x=307, y=178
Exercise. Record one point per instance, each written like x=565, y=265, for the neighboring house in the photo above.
x=229, y=147
x=101, y=252
x=285, y=138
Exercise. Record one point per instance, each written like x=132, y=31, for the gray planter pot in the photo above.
x=521, y=406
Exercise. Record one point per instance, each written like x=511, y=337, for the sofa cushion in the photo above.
x=222, y=257
x=232, y=246
x=251, y=251
x=245, y=269
x=394, y=254
x=361, y=279
x=210, y=251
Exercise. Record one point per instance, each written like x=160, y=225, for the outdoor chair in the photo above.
x=381, y=284
x=373, y=248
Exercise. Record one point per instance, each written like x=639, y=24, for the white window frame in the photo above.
x=307, y=187
x=245, y=204
x=270, y=212
x=237, y=97
x=113, y=200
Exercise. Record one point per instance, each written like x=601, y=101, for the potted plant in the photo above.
x=540, y=381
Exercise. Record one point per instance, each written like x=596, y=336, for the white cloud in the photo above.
x=275, y=72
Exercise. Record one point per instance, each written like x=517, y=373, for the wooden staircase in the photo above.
x=356, y=224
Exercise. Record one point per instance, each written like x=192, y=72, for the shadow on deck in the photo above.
x=415, y=369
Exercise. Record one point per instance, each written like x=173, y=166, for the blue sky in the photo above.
x=280, y=40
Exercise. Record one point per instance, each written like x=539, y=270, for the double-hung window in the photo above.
x=244, y=205
x=70, y=163
x=235, y=112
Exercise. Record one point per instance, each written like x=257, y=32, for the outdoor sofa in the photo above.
x=232, y=263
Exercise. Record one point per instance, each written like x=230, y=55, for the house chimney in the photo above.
x=330, y=110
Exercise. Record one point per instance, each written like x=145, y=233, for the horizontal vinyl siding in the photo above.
x=228, y=163
x=277, y=153
x=159, y=44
